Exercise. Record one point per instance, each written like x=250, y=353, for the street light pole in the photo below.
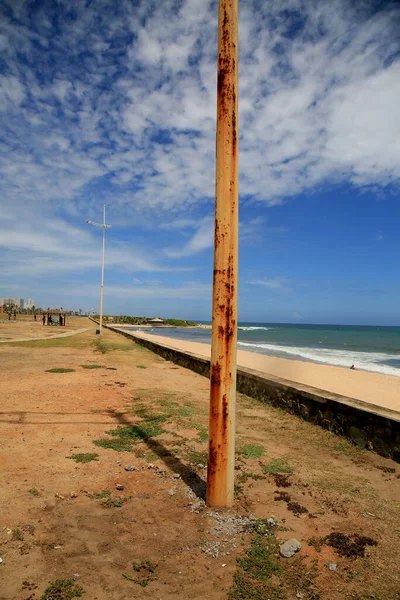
x=102, y=268
x=221, y=445
x=104, y=227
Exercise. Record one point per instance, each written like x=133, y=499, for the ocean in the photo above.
x=375, y=349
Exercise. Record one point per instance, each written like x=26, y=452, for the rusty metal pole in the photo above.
x=221, y=452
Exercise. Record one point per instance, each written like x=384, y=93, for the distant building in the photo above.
x=18, y=303
x=155, y=321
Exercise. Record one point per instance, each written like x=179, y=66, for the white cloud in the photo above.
x=202, y=239
x=275, y=283
x=118, y=104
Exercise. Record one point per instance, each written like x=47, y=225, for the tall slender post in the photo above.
x=221, y=452
x=104, y=227
x=102, y=268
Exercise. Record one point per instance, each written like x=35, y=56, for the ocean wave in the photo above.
x=367, y=361
x=244, y=328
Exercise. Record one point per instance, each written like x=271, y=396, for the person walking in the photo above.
x=44, y=319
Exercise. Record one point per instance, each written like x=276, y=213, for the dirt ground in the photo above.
x=63, y=519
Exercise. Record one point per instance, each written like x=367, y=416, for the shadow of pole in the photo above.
x=188, y=475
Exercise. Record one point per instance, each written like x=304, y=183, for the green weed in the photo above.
x=93, y=367
x=60, y=370
x=251, y=451
x=202, y=432
x=262, y=574
x=256, y=567
x=84, y=458
x=124, y=437
x=108, y=500
x=34, y=492
x=62, y=589
x=277, y=465
x=141, y=367
x=18, y=535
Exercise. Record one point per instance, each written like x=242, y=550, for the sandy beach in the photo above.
x=378, y=389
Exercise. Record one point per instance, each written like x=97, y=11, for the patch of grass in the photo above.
x=316, y=542
x=108, y=500
x=114, y=444
x=256, y=567
x=124, y=437
x=262, y=574
x=84, y=458
x=103, y=494
x=60, y=370
x=18, y=535
x=251, y=451
x=34, y=492
x=95, y=411
x=93, y=367
x=115, y=502
x=202, y=433
x=146, y=570
x=197, y=457
x=62, y=589
x=141, y=367
x=100, y=346
x=277, y=465
x=104, y=345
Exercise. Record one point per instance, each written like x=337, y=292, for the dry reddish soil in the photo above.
x=162, y=542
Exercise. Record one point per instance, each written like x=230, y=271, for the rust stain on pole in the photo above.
x=220, y=478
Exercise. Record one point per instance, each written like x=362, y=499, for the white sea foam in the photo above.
x=367, y=361
x=243, y=328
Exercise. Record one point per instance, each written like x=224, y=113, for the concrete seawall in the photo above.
x=367, y=425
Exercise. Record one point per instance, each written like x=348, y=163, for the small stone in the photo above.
x=130, y=468
x=332, y=567
x=298, y=595
x=290, y=548
x=171, y=492
x=74, y=494
x=177, y=476
x=76, y=575
x=1, y=560
x=365, y=515
x=201, y=466
x=119, y=487
x=57, y=495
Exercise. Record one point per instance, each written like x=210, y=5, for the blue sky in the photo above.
x=115, y=102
